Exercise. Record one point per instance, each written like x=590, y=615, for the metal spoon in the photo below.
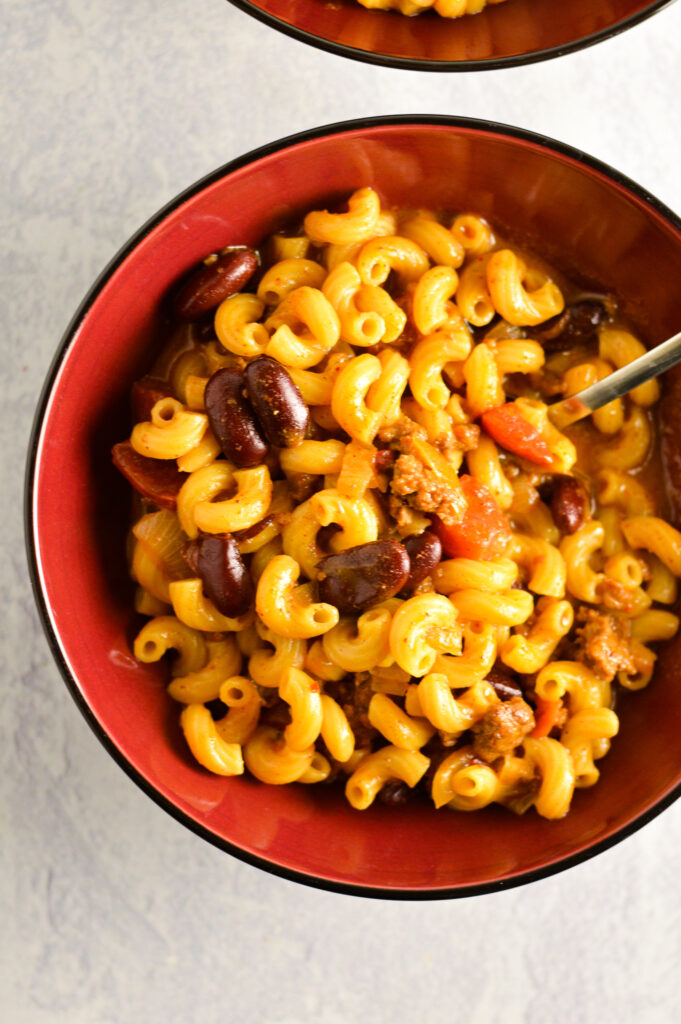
x=617, y=384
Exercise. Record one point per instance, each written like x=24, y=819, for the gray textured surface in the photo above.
x=111, y=911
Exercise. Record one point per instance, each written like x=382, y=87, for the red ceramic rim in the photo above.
x=418, y=64
x=597, y=169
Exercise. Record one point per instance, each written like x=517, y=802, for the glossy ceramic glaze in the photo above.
x=585, y=219
x=516, y=32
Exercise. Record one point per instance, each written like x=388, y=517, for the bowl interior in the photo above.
x=587, y=224
x=512, y=32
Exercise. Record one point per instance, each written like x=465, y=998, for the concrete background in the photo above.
x=111, y=911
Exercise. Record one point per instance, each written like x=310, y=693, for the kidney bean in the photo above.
x=504, y=686
x=394, y=794
x=551, y=329
x=253, y=531
x=156, y=479
x=190, y=553
x=363, y=575
x=569, y=503
x=425, y=551
x=586, y=317
x=226, y=581
x=145, y=394
x=209, y=284
x=279, y=406
x=302, y=486
x=314, y=432
x=232, y=419
x=205, y=330
x=576, y=325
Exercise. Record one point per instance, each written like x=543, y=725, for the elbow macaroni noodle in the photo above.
x=445, y=8
x=493, y=677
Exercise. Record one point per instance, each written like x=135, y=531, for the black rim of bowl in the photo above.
x=418, y=64
x=347, y=888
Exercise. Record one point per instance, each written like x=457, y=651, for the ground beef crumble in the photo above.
x=466, y=436
x=502, y=728
x=422, y=490
x=354, y=694
x=399, y=432
x=603, y=643
x=618, y=596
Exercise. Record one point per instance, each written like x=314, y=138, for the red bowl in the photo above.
x=582, y=216
x=513, y=33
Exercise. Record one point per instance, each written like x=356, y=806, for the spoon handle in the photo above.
x=617, y=384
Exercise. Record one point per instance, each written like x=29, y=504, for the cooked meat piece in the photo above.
x=603, y=643
x=408, y=475
x=618, y=596
x=466, y=436
x=461, y=437
x=404, y=516
x=421, y=489
x=384, y=460
x=523, y=796
x=276, y=716
x=502, y=728
x=395, y=433
x=446, y=443
x=354, y=696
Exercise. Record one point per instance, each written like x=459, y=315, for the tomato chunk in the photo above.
x=484, y=531
x=155, y=479
x=509, y=428
x=545, y=716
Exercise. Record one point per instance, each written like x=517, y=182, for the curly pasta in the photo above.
x=363, y=544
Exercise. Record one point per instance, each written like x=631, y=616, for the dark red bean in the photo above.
x=363, y=575
x=145, y=394
x=315, y=433
x=253, y=531
x=190, y=553
x=394, y=794
x=569, y=503
x=226, y=581
x=159, y=480
x=278, y=404
x=205, y=330
x=586, y=317
x=576, y=325
x=504, y=685
x=551, y=329
x=425, y=551
x=232, y=419
x=302, y=486
x=209, y=284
